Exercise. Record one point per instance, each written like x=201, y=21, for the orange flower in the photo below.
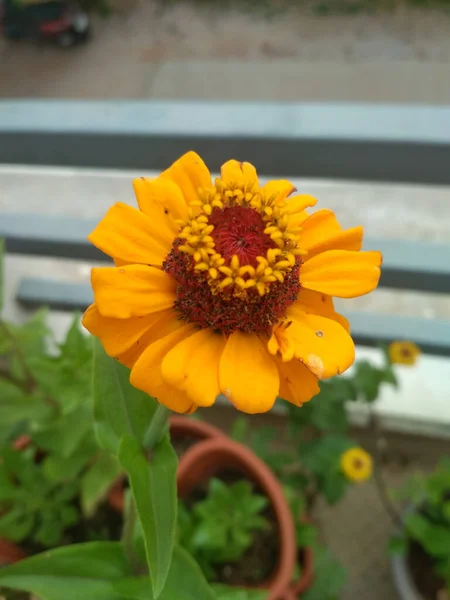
x=226, y=288
x=404, y=353
x=356, y=464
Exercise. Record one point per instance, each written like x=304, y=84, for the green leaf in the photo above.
x=306, y=534
x=98, y=480
x=2, y=252
x=15, y=526
x=329, y=577
x=398, y=544
x=16, y=405
x=434, y=538
x=225, y=592
x=59, y=468
x=154, y=486
x=119, y=408
x=64, y=436
x=31, y=339
x=389, y=376
x=368, y=379
x=186, y=575
x=239, y=430
x=184, y=582
x=77, y=345
x=74, y=572
x=446, y=510
x=334, y=486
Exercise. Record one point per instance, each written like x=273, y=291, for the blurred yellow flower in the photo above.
x=404, y=353
x=356, y=464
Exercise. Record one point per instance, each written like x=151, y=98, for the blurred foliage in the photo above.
x=309, y=464
x=427, y=521
x=52, y=473
x=219, y=529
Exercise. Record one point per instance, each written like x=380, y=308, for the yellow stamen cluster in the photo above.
x=199, y=243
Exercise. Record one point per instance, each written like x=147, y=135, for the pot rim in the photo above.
x=206, y=458
x=403, y=580
x=304, y=583
x=183, y=426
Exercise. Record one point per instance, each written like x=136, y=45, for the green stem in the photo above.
x=157, y=427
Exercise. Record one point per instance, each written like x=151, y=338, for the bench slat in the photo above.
x=377, y=142
x=433, y=336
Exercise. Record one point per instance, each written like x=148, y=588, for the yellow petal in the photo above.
x=280, y=188
x=321, y=232
x=162, y=201
x=193, y=366
x=317, y=304
x=342, y=273
x=247, y=373
x=132, y=291
x=321, y=344
x=190, y=173
x=126, y=233
x=146, y=373
x=118, y=335
x=297, y=204
x=167, y=322
x=239, y=174
x=297, y=384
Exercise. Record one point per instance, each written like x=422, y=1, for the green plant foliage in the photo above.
x=330, y=576
x=219, y=528
x=34, y=509
x=154, y=487
x=46, y=393
x=119, y=408
x=428, y=523
x=100, y=571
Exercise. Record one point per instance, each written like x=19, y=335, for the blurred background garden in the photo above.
x=349, y=100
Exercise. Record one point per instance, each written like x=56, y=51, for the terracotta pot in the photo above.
x=184, y=427
x=10, y=553
x=288, y=595
x=180, y=427
x=22, y=442
x=307, y=570
x=208, y=458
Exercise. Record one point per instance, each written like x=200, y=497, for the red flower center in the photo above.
x=239, y=231
x=225, y=312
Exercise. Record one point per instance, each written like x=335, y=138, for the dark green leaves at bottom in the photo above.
x=154, y=486
x=99, y=571
x=81, y=571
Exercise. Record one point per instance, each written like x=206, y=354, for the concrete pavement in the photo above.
x=189, y=52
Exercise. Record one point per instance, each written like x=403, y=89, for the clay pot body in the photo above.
x=209, y=458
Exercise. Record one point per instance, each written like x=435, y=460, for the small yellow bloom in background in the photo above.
x=356, y=464
x=225, y=287
x=404, y=353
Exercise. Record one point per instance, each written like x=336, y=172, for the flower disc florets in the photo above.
x=236, y=260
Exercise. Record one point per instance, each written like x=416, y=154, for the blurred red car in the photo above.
x=64, y=23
